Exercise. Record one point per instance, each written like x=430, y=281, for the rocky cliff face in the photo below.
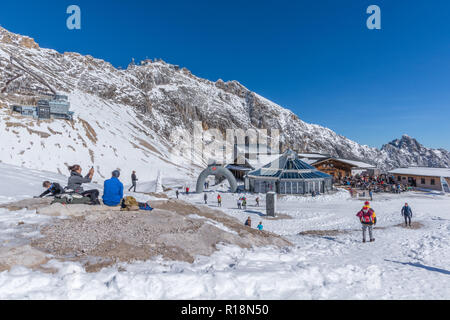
x=167, y=99
x=408, y=151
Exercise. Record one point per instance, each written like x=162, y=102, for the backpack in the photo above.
x=129, y=204
x=145, y=206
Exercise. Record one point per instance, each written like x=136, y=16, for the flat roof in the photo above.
x=423, y=171
x=354, y=163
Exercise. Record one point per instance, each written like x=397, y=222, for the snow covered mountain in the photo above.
x=408, y=152
x=124, y=118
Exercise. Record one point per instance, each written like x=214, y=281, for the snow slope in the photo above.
x=400, y=264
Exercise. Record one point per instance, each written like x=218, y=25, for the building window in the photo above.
x=422, y=181
x=399, y=178
x=432, y=182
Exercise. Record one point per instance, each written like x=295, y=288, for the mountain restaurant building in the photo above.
x=340, y=168
x=423, y=177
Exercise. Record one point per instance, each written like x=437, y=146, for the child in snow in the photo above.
x=52, y=189
x=219, y=200
x=248, y=222
x=260, y=226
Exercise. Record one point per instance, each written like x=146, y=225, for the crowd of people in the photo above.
x=372, y=184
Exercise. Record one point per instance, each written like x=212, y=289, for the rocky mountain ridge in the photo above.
x=165, y=99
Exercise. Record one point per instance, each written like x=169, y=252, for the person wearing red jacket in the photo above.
x=368, y=220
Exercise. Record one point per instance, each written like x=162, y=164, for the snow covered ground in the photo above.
x=332, y=264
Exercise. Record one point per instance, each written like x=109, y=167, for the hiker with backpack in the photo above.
x=407, y=214
x=134, y=180
x=52, y=189
x=76, y=181
x=368, y=220
x=113, y=190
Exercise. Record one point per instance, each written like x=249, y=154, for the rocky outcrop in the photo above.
x=100, y=236
x=407, y=151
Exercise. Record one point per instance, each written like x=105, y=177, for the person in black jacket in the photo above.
x=52, y=189
x=134, y=179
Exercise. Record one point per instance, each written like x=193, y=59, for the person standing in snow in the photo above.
x=257, y=201
x=407, y=214
x=219, y=200
x=205, y=197
x=177, y=193
x=368, y=220
x=371, y=194
x=239, y=203
x=244, y=203
x=134, y=180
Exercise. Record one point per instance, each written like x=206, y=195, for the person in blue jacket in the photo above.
x=407, y=214
x=113, y=190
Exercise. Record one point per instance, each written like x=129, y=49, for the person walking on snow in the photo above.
x=368, y=220
x=257, y=201
x=134, y=180
x=239, y=203
x=177, y=193
x=219, y=200
x=205, y=197
x=407, y=214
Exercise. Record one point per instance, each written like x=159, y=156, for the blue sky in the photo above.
x=316, y=58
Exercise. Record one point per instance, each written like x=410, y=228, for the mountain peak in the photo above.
x=8, y=37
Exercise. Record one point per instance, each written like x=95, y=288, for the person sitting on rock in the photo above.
x=76, y=180
x=113, y=190
x=52, y=189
